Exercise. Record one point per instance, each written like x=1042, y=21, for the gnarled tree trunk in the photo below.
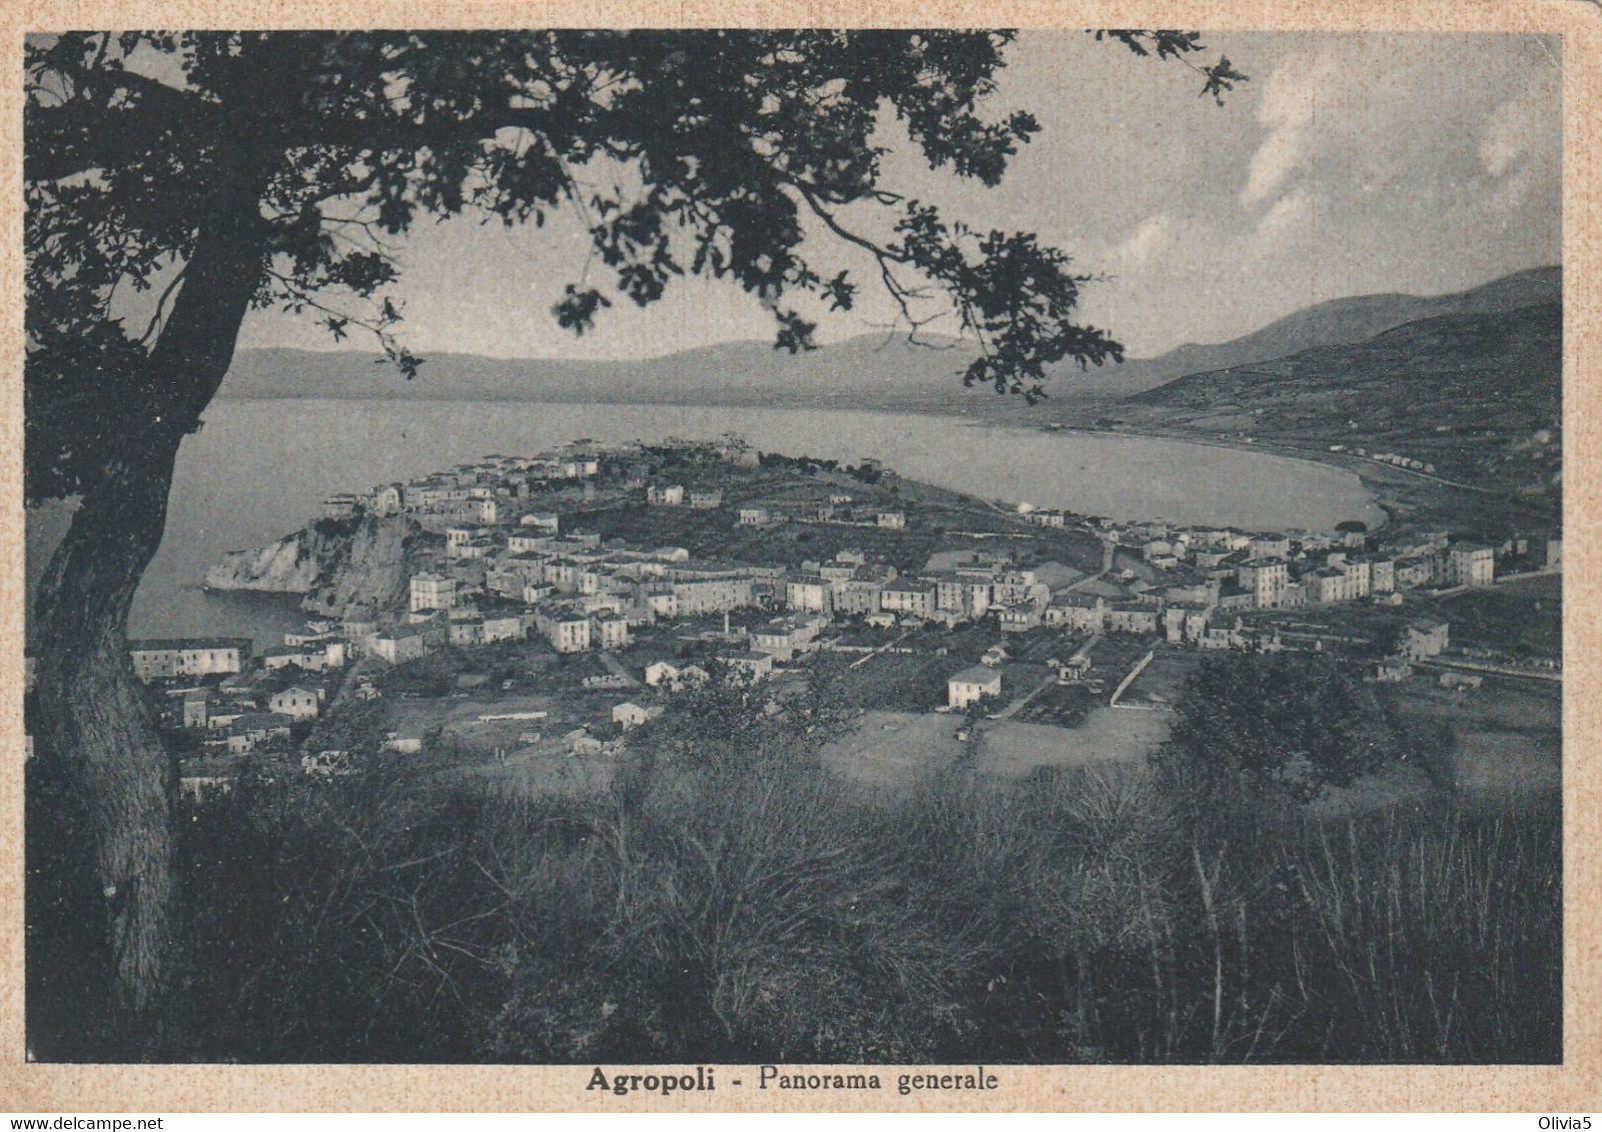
x=110, y=780
x=100, y=842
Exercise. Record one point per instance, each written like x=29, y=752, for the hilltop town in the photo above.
x=552, y=603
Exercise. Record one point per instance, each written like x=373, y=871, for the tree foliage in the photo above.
x=694, y=152
x=1290, y=722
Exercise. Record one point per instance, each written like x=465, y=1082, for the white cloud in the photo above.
x=1502, y=144
x=1286, y=217
x=1511, y=129
x=1517, y=147
x=1151, y=239
x=1296, y=91
x=1274, y=160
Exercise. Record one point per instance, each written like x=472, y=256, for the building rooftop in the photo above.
x=162, y=644
x=256, y=720
x=400, y=632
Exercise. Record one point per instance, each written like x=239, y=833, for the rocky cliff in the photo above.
x=337, y=565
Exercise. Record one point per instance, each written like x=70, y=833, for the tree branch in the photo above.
x=155, y=319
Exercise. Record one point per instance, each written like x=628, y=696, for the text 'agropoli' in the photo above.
x=772, y=1076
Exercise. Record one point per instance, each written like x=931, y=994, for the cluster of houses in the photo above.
x=492, y=490
x=850, y=585
x=1395, y=459
x=508, y=569
x=1200, y=581
x=235, y=701
x=503, y=489
x=841, y=509
x=1282, y=571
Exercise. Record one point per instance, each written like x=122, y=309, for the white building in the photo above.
x=1471, y=564
x=566, y=628
x=400, y=644
x=972, y=685
x=610, y=631
x=1425, y=638
x=432, y=591
x=673, y=677
x=1266, y=579
x=189, y=656
x=297, y=703
x=808, y=592
x=630, y=715
x=914, y=599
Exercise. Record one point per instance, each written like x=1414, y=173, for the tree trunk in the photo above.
x=103, y=759
x=100, y=827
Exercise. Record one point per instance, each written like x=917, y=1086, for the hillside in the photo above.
x=1333, y=323
x=872, y=371
x=1479, y=396
x=868, y=369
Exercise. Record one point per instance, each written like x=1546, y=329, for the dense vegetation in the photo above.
x=728, y=901
x=1288, y=724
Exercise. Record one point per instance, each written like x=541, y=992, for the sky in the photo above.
x=1348, y=164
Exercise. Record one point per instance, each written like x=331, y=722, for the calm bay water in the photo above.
x=258, y=469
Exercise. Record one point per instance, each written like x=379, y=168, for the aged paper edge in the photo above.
x=1574, y=1086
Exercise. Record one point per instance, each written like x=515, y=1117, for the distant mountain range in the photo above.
x=870, y=371
x=731, y=373
x=1478, y=397
x=1333, y=323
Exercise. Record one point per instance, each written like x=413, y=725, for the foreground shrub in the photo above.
x=690, y=915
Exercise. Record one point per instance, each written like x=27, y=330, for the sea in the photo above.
x=258, y=469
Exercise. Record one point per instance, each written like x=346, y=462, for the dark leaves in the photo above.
x=1218, y=79
x=1288, y=722
x=1221, y=78
x=686, y=152
x=402, y=359
x=840, y=292
x=795, y=333
x=576, y=309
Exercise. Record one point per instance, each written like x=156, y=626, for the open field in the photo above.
x=1114, y=654
x=896, y=748
x=1064, y=705
x=542, y=772
x=1505, y=765
x=1502, y=705
x=1524, y=617
x=916, y=680
x=1014, y=749
x=1508, y=737
x=1163, y=680
x=899, y=748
